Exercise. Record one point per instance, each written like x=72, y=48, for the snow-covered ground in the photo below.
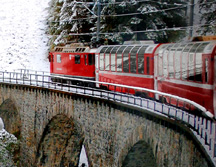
x=23, y=41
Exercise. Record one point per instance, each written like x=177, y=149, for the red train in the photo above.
x=185, y=69
x=74, y=60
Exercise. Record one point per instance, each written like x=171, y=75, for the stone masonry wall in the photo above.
x=110, y=130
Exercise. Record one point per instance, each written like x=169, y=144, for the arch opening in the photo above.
x=140, y=155
x=12, y=124
x=61, y=143
x=11, y=117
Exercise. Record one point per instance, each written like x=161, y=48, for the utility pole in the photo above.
x=98, y=18
x=191, y=18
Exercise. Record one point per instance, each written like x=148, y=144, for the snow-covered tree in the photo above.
x=54, y=18
x=208, y=11
x=120, y=20
x=72, y=18
x=140, y=20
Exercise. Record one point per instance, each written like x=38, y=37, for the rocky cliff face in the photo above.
x=8, y=149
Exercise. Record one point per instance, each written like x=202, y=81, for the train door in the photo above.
x=96, y=69
x=158, y=68
x=156, y=75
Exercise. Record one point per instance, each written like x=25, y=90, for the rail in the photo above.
x=202, y=125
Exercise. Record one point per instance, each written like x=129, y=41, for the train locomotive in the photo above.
x=186, y=70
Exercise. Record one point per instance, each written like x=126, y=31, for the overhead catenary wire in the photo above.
x=127, y=14
x=130, y=2
x=141, y=31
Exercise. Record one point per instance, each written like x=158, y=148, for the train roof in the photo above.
x=112, y=48
x=191, y=46
x=71, y=48
x=198, y=46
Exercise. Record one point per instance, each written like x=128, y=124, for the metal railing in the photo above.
x=201, y=125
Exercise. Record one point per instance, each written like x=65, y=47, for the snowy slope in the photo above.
x=23, y=42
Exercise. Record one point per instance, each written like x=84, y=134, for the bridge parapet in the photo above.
x=203, y=127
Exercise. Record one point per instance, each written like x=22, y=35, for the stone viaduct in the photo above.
x=53, y=125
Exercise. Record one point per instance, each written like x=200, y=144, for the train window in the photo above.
x=102, y=58
x=206, y=70
x=107, y=58
x=184, y=65
x=171, y=61
x=102, y=61
x=194, y=48
x=113, y=58
x=160, y=59
x=191, y=66
x=85, y=59
x=165, y=54
x=181, y=47
x=160, y=65
x=103, y=50
x=202, y=47
x=198, y=66
x=141, y=59
x=148, y=65
x=77, y=59
x=177, y=64
x=58, y=58
x=133, y=62
x=171, y=66
x=119, y=58
x=188, y=47
x=126, y=58
x=91, y=59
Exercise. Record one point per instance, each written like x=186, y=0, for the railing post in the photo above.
x=16, y=78
x=30, y=78
x=214, y=139
x=43, y=80
x=10, y=77
x=23, y=78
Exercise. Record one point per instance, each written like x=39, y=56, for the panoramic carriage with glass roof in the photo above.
x=128, y=64
x=188, y=70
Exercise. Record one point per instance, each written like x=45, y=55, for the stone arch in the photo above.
x=138, y=138
x=61, y=143
x=141, y=154
x=11, y=117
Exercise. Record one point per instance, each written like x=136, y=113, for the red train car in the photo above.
x=188, y=70
x=131, y=65
x=75, y=60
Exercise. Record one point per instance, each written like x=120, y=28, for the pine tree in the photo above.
x=149, y=16
x=150, y=20
x=208, y=11
x=54, y=18
x=69, y=20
